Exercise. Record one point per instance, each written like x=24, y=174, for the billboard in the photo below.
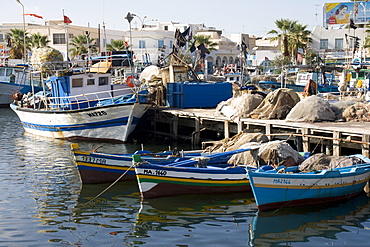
x=341, y=13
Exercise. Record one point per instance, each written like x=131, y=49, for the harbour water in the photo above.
x=43, y=203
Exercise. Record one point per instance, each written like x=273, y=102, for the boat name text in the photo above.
x=281, y=181
x=155, y=172
x=97, y=114
x=90, y=159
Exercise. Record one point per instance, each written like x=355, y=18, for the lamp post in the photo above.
x=129, y=18
x=363, y=52
x=141, y=31
x=24, y=33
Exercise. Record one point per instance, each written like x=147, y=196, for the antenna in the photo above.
x=316, y=14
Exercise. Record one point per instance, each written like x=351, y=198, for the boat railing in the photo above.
x=83, y=101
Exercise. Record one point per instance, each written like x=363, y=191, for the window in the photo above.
x=171, y=43
x=142, y=44
x=324, y=43
x=90, y=81
x=166, y=28
x=338, y=44
x=1, y=37
x=59, y=38
x=160, y=43
x=103, y=81
x=77, y=82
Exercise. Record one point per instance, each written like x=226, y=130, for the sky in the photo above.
x=255, y=17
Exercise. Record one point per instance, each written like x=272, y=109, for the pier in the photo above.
x=197, y=125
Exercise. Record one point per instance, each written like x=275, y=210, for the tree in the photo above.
x=37, y=40
x=293, y=36
x=208, y=44
x=16, y=37
x=298, y=39
x=82, y=44
x=203, y=39
x=285, y=27
x=117, y=45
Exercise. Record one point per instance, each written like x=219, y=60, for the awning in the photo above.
x=101, y=67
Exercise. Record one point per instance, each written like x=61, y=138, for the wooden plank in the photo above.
x=336, y=143
x=365, y=147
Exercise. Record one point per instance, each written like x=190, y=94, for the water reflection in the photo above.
x=300, y=224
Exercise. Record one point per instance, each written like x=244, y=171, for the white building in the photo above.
x=338, y=43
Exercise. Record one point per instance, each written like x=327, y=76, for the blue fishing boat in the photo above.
x=286, y=187
x=193, y=176
x=16, y=79
x=83, y=104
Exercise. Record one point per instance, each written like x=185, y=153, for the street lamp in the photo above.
x=129, y=18
x=364, y=32
x=141, y=31
x=24, y=33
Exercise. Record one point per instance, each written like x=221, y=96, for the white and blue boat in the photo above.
x=83, y=105
x=285, y=187
x=16, y=79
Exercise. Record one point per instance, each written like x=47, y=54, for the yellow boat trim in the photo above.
x=191, y=180
x=104, y=166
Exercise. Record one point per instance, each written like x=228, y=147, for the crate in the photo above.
x=197, y=94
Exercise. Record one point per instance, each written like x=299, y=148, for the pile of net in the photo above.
x=359, y=112
x=276, y=105
x=322, y=161
x=274, y=153
x=236, y=142
x=338, y=107
x=238, y=107
x=46, y=58
x=311, y=109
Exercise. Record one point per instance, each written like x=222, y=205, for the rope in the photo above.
x=133, y=164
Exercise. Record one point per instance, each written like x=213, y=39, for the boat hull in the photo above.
x=8, y=89
x=106, y=168
x=159, y=181
x=109, y=122
x=298, y=88
x=276, y=190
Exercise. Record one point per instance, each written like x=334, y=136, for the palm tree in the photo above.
x=81, y=46
x=17, y=43
x=285, y=27
x=117, y=45
x=298, y=39
x=37, y=40
x=210, y=45
x=204, y=39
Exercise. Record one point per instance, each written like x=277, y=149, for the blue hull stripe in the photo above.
x=94, y=125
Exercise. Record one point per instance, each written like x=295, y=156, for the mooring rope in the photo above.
x=133, y=164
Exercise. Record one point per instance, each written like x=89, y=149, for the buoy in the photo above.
x=128, y=81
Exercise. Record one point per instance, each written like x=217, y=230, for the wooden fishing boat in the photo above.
x=192, y=176
x=16, y=79
x=285, y=187
x=83, y=105
x=97, y=167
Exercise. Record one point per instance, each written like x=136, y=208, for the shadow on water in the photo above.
x=298, y=225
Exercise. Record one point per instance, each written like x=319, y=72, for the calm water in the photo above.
x=43, y=203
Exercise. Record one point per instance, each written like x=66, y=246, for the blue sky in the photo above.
x=236, y=16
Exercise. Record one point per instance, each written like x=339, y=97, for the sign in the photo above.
x=341, y=13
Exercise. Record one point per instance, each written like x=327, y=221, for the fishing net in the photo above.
x=322, y=161
x=359, y=112
x=311, y=109
x=270, y=153
x=238, y=107
x=339, y=106
x=276, y=105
